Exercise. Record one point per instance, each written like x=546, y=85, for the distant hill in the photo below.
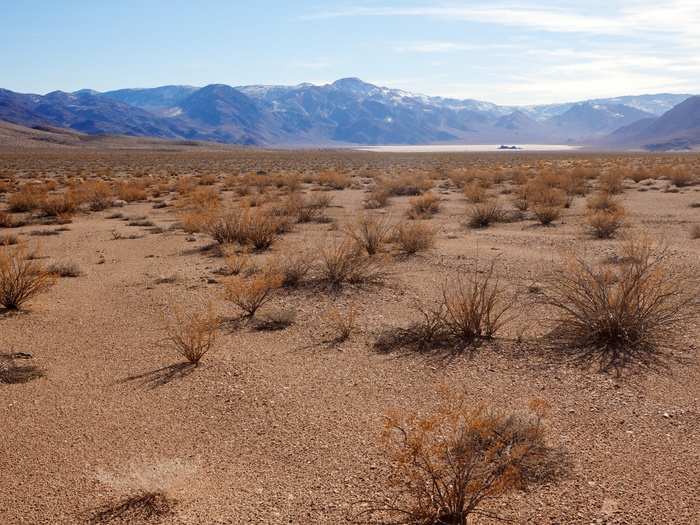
x=346, y=112
x=677, y=129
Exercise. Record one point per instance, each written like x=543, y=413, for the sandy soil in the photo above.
x=282, y=427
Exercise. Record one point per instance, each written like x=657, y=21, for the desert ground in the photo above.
x=282, y=420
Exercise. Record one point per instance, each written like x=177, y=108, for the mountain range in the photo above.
x=352, y=112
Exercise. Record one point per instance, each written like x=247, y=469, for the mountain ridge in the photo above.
x=346, y=112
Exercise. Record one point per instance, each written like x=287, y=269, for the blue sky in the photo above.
x=517, y=52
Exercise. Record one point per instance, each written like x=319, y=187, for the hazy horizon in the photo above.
x=509, y=53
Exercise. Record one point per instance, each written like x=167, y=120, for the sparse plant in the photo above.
x=446, y=466
x=21, y=278
x=370, y=232
x=413, y=237
x=621, y=314
x=341, y=323
x=605, y=224
x=193, y=334
x=341, y=263
x=424, y=206
x=484, y=214
x=252, y=293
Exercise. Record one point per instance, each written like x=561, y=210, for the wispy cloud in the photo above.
x=680, y=18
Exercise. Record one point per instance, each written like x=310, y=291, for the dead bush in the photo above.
x=623, y=314
x=342, y=263
x=475, y=193
x=472, y=309
x=21, y=278
x=341, y=323
x=193, y=334
x=293, y=268
x=131, y=191
x=334, y=180
x=25, y=199
x=64, y=269
x=277, y=319
x=377, y=198
x=98, y=195
x=611, y=182
x=605, y=224
x=681, y=176
x=413, y=237
x=245, y=227
x=423, y=207
x=252, y=293
x=59, y=205
x=369, y=233
x=602, y=201
x=484, y=214
x=446, y=466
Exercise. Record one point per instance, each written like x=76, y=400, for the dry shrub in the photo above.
x=605, y=224
x=59, y=205
x=12, y=373
x=25, y=199
x=334, y=180
x=293, y=268
x=369, y=233
x=611, y=182
x=8, y=240
x=277, y=319
x=7, y=220
x=413, y=237
x=484, y=214
x=64, y=269
x=204, y=199
x=307, y=210
x=547, y=203
x=602, y=201
x=475, y=305
x=98, y=195
x=623, y=314
x=21, y=278
x=475, y=193
x=245, y=227
x=251, y=294
x=193, y=334
x=239, y=264
x=377, y=198
x=131, y=191
x=140, y=508
x=341, y=323
x=341, y=263
x=681, y=176
x=412, y=184
x=446, y=466
x=473, y=308
x=423, y=207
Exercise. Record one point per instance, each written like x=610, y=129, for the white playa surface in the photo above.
x=456, y=148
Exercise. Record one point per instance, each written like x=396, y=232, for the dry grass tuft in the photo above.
x=446, y=466
x=413, y=237
x=193, y=334
x=341, y=263
x=423, y=207
x=341, y=323
x=620, y=315
x=21, y=278
x=251, y=294
x=369, y=233
x=484, y=214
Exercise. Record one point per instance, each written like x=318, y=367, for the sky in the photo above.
x=515, y=52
